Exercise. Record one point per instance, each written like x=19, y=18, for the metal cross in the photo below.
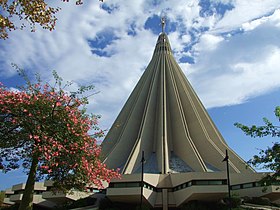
x=162, y=23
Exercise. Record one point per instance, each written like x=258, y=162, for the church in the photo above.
x=167, y=147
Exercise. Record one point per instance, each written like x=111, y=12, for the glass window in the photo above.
x=215, y=182
x=235, y=187
x=119, y=185
x=201, y=182
x=257, y=184
x=133, y=184
x=248, y=185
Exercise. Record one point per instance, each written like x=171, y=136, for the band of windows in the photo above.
x=186, y=185
x=179, y=187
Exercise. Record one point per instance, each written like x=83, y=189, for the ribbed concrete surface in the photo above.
x=165, y=118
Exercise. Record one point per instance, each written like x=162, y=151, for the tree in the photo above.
x=47, y=131
x=27, y=11
x=2, y=196
x=268, y=158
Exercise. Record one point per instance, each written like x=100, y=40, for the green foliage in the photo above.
x=259, y=201
x=268, y=158
x=195, y=206
x=234, y=201
x=200, y=205
x=222, y=205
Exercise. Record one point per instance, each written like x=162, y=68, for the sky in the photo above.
x=228, y=49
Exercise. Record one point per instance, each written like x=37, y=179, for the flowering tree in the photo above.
x=46, y=130
x=28, y=11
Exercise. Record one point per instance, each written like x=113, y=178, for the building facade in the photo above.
x=164, y=123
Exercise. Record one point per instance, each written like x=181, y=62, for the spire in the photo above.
x=163, y=45
x=162, y=24
x=165, y=118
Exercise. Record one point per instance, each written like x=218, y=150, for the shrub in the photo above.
x=235, y=201
x=260, y=201
x=195, y=205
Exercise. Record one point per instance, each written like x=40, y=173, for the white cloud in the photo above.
x=245, y=80
x=240, y=67
x=273, y=19
x=217, y=59
x=208, y=42
x=245, y=11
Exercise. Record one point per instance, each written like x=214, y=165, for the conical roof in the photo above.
x=165, y=118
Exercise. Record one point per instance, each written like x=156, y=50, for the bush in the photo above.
x=195, y=205
x=259, y=201
x=222, y=205
x=235, y=201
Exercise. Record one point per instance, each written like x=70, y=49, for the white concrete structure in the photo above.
x=39, y=188
x=62, y=197
x=8, y=194
x=183, y=148
x=43, y=195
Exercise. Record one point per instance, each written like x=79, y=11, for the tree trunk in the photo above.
x=27, y=199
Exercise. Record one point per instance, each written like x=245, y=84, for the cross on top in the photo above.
x=162, y=23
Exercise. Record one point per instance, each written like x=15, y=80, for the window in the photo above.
x=216, y=182
x=201, y=182
x=125, y=184
x=236, y=187
x=248, y=185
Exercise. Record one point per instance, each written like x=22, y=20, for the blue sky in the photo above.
x=228, y=49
